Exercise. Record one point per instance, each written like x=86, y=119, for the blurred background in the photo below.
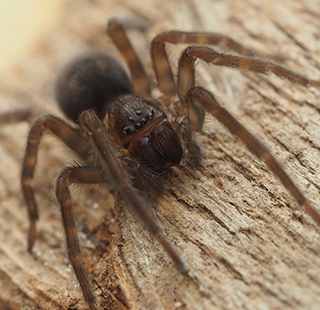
x=23, y=23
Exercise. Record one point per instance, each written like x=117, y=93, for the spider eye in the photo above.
x=128, y=130
x=150, y=114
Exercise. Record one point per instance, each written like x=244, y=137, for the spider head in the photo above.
x=145, y=131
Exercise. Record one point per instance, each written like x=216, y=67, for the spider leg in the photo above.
x=211, y=56
x=69, y=136
x=121, y=183
x=120, y=39
x=160, y=59
x=16, y=116
x=186, y=74
x=76, y=175
x=206, y=99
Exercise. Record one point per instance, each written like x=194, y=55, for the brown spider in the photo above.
x=112, y=113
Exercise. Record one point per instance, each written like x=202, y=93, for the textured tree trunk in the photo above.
x=246, y=242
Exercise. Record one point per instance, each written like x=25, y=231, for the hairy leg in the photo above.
x=69, y=136
x=119, y=37
x=76, y=175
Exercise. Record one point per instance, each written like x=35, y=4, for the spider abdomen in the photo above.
x=92, y=81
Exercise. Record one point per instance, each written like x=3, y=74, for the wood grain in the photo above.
x=246, y=242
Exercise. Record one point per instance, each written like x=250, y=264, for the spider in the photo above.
x=115, y=112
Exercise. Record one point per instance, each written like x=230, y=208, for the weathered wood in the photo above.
x=246, y=242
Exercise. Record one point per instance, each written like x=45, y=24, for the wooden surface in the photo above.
x=246, y=242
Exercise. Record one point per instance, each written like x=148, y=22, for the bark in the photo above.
x=247, y=243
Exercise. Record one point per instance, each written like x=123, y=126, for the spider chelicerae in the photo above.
x=113, y=111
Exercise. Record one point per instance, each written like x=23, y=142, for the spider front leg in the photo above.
x=76, y=175
x=120, y=181
x=69, y=136
x=196, y=96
